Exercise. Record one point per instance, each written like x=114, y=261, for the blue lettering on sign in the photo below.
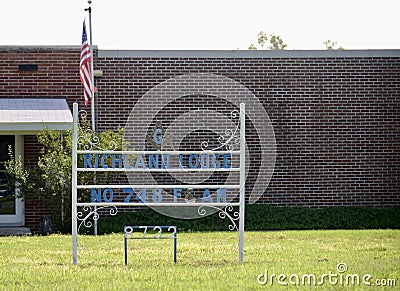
x=96, y=195
x=96, y=161
x=108, y=195
x=87, y=161
x=140, y=162
x=116, y=159
x=195, y=164
x=195, y=161
x=156, y=161
x=126, y=162
x=153, y=161
x=221, y=195
x=181, y=161
x=177, y=194
x=215, y=162
x=157, y=136
x=205, y=161
x=130, y=192
x=108, y=198
x=206, y=196
x=165, y=161
x=227, y=161
x=141, y=196
x=157, y=195
x=102, y=161
x=99, y=195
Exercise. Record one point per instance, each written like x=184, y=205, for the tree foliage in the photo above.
x=51, y=179
x=262, y=39
x=252, y=47
x=271, y=42
x=276, y=42
x=332, y=45
x=16, y=176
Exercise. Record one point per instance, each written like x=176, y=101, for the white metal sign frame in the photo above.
x=113, y=205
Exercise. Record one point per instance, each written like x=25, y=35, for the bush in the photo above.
x=266, y=217
x=50, y=180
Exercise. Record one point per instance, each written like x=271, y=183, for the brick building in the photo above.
x=335, y=114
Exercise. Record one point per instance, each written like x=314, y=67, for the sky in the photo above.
x=206, y=24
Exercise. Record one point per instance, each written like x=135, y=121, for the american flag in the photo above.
x=84, y=67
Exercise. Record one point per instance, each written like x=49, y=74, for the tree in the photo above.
x=50, y=181
x=252, y=47
x=331, y=45
x=262, y=39
x=275, y=42
x=16, y=176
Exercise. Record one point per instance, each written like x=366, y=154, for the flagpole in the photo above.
x=91, y=66
x=92, y=89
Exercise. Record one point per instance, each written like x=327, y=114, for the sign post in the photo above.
x=74, y=185
x=242, y=181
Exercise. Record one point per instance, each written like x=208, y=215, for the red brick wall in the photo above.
x=336, y=115
x=57, y=76
x=34, y=208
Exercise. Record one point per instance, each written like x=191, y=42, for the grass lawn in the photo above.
x=206, y=261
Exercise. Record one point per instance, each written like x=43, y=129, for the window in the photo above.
x=7, y=199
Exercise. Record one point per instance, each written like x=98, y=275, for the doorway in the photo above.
x=11, y=208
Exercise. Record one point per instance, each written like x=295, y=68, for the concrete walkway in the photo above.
x=8, y=231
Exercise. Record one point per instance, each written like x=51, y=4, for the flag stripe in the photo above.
x=84, y=67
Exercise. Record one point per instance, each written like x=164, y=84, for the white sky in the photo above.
x=205, y=24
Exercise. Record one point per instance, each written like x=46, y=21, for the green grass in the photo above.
x=206, y=261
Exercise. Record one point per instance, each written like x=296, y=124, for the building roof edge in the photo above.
x=248, y=53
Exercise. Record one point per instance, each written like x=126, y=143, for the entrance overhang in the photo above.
x=24, y=116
